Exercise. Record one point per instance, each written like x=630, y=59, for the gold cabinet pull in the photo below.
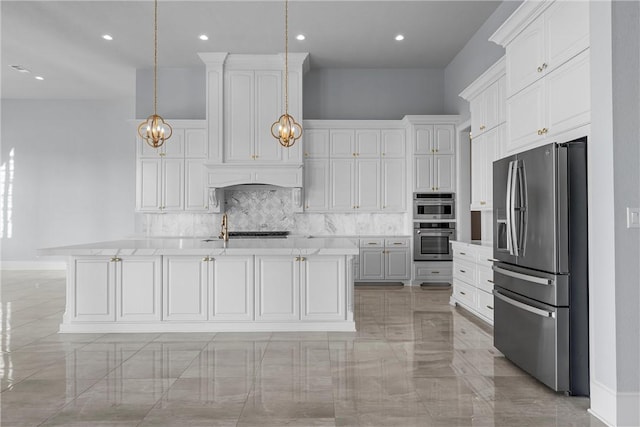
x=435, y=272
x=116, y=259
x=397, y=243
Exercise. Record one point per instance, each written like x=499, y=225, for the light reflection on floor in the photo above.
x=415, y=360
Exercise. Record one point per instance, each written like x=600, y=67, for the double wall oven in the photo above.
x=434, y=226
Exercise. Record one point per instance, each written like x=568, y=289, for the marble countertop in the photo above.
x=196, y=246
x=475, y=243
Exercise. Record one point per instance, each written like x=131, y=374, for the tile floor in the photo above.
x=415, y=361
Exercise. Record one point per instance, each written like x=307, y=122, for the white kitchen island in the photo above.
x=194, y=285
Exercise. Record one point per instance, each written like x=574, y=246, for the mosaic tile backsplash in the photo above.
x=271, y=209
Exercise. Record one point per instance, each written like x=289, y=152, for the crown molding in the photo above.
x=518, y=21
x=491, y=75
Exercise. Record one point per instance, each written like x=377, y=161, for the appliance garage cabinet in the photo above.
x=473, y=278
x=547, y=72
x=182, y=285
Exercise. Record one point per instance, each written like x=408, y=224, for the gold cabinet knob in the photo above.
x=116, y=259
x=205, y=259
x=539, y=131
x=383, y=154
x=483, y=203
x=306, y=206
x=161, y=154
x=545, y=130
x=303, y=259
x=297, y=258
x=482, y=127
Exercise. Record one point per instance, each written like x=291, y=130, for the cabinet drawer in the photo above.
x=464, y=293
x=371, y=243
x=485, y=304
x=463, y=271
x=484, y=257
x=396, y=243
x=464, y=253
x=485, y=279
x=433, y=271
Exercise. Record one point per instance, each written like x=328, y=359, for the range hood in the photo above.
x=223, y=175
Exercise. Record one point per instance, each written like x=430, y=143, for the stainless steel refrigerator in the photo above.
x=541, y=276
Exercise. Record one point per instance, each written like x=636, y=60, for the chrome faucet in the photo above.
x=224, y=231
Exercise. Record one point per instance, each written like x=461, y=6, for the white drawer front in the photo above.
x=371, y=243
x=485, y=279
x=484, y=257
x=485, y=304
x=396, y=243
x=464, y=293
x=463, y=271
x=464, y=253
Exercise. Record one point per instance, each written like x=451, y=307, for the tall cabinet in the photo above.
x=487, y=99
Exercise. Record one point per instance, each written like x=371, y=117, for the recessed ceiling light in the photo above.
x=107, y=37
x=399, y=37
x=19, y=68
x=203, y=37
x=39, y=78
x=300, y=37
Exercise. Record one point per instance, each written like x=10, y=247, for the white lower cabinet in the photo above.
x=473, y=279
x=372, y=262
x=232, y=288
x=323, y=288
x=432, y=271
x=185, y=287
x=106, y=289
x=277, y=287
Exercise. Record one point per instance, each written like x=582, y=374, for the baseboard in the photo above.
x=33, y=265
x=615, y=409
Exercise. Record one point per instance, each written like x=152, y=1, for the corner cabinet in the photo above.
x=172, y=177
x=245, y=97
x=547, y=72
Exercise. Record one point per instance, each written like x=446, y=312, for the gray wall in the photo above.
x=390, y=94
x=474, y=59
x=181, y=93
x=74, y=173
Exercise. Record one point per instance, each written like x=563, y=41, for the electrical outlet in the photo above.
x=633, y=217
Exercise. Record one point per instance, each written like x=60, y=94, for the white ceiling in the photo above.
x=61, y=40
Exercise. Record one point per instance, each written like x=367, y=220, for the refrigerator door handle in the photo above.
x=521, y=238
x=508, y=209
x=522, y=276
x=523, y=306
x=511, y=207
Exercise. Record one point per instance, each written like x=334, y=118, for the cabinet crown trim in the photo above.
x=518, y=21
x=351, y=124
x=491, y=75
x=213, y=58
x=432, y=120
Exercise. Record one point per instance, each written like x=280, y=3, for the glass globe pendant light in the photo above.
x=286, y=130
x=155, y=131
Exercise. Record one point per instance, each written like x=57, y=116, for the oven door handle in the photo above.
x=523, y=306
x=522, y=276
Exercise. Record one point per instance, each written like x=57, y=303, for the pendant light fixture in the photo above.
x=286, y=130
x=155, y=131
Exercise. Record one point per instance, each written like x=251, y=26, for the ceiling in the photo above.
x=61, y=40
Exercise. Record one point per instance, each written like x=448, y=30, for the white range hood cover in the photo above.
x=227, y=175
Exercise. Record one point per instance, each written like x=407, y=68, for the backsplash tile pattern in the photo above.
x=271, y=209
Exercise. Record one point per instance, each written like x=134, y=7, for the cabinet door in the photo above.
x=232, y=288
x=268, y=100
x=185, y=285
x=92, y=296
x=490, y=150
x=444, y=173
x=524, y=55
x=569, y=95
x=342, y=143
x=172, y=184
x=239, y=116
x=397, y=264
x=195, y=193
x=423, y=139
x=342, y=182
x=323, y=288
x=148, y=194
x=277, y=288
x=294, y=154
x=423, y=173
x=138, y=288
x=316, y=185
x=492, y=106
x=476, y=108
x=372, y=264
x=393, y=143
x=368, y=184
x=316, y=143
x=567, y=30
x=196, y=145
x=444, y=140
x=394, y=185
x=478, y=172
x=525, y=117
x=367, y=143
x=174, y=146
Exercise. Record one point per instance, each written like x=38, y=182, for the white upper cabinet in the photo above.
x=556, y=35
x=444, y=140
x=394, y=178
x=423, y=139
x=245, y=97
x=487, y=98
x=316, y=185
x=434, y=157
x=367, y=143
x=393, y=143
x=367, y=185
x=484, y=151
x=342, y=143
x=342, y=182
x=195, y=144
x=316, y=143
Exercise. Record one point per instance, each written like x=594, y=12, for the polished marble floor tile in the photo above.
x=414, y=361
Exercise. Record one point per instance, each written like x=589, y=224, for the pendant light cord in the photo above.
x=286, y=57
x=155, y=59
